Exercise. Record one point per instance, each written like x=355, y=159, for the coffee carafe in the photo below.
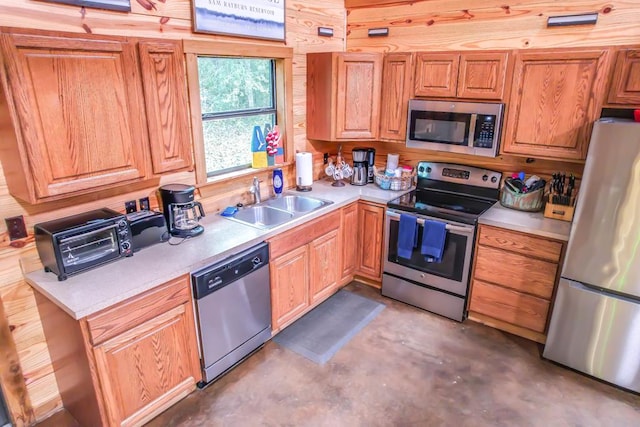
x=181, y=211
x=360, y=162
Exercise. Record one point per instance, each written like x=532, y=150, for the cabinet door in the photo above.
x=323, y=266
x=436, y=74
x=81, y=112
x=370, y=222
x=482, y=75
x=396, y=90
x=289, y=286
x=349, y=243
x=358, y=95
x=147, y=368
x=554, y=102
x=163, y=78
x=625, y=86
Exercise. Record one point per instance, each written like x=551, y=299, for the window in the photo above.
x=236, y=94
x=232, y=88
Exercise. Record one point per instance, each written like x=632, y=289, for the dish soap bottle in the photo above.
x=277, y=182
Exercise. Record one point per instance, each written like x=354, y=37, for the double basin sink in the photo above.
x=277, y=211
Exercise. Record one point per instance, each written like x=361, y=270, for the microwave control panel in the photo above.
x=485, y=131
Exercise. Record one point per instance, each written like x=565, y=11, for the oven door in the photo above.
x=85, y=250
x=450, y=275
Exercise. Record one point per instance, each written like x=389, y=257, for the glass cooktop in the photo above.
x=455, y=207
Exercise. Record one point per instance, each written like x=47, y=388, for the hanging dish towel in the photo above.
x=433, y=237
x=407, y=235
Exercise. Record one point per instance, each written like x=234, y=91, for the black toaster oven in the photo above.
x=79, y=242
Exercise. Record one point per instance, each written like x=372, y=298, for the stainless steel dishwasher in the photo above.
x=233, y=309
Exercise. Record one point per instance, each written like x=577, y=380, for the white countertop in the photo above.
x=526, y=222
x=102, y=287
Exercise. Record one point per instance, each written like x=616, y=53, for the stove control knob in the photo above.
x=485, y=177
x=494, y=179
x=421, y=169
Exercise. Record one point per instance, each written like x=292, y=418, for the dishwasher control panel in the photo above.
x=220, y=274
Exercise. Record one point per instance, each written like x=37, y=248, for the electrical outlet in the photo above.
x=144, y=203
x=130, y=206
x=326, y=158
x=16, y=227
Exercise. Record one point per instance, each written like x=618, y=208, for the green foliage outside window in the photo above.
x=236, y=95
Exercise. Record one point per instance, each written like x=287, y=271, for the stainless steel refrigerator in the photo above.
x=595, y=324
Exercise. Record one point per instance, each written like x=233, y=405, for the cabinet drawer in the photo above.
x=304, y=234
x=525, y=244
x=134, y=311
x=509, y=306
x=515, y=271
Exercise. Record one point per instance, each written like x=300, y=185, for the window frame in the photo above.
x=283, y=64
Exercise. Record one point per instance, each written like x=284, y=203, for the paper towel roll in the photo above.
x=304, y=169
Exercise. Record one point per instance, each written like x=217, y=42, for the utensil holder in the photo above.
x=528, y=202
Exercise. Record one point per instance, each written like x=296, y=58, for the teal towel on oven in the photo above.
x=407, y=235
x=434, y=234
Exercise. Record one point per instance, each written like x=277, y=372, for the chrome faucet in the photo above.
x=255, y=190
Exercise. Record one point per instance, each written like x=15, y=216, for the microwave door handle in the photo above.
x=449, y=227
x=472, y=129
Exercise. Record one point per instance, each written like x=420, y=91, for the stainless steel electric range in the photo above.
x=455, y=195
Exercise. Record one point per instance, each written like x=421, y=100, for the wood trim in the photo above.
x=11, y=377
x=134, y=311
x=253, y=50
x=195, y=110
x=507, y=327
x=284, y=98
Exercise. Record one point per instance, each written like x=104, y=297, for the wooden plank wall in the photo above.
x=441, y=25
x=149, y=18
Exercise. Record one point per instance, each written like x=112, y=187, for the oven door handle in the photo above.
x=450, y=227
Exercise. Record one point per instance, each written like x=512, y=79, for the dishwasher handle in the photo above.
x=214, y=277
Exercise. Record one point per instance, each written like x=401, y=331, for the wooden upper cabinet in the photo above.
x=437, y=74
x=482, y=75
x=163, y=79
x=555, y=99
x=343, y=95
x=625, y=84
x=472, y=75
x=80, y=115
x=397, y=75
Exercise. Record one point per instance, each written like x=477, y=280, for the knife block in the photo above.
x=561, y=212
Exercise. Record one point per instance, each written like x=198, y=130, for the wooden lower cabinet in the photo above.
x=126, y=364
x=349, y=242
x=304, y=269
x=289, y=286
x=370, y=226
x=323, y=266
x=514, y=280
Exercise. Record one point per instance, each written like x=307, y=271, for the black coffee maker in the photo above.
x=180, y=210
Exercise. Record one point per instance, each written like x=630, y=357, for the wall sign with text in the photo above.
x=263, y=19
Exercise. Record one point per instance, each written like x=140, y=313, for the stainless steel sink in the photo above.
x=296, y=203
x=277, y=211
x=262, y=216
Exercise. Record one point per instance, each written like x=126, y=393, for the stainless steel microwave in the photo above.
x=458, y=127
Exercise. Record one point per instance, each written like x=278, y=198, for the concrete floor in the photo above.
x=408, y=367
